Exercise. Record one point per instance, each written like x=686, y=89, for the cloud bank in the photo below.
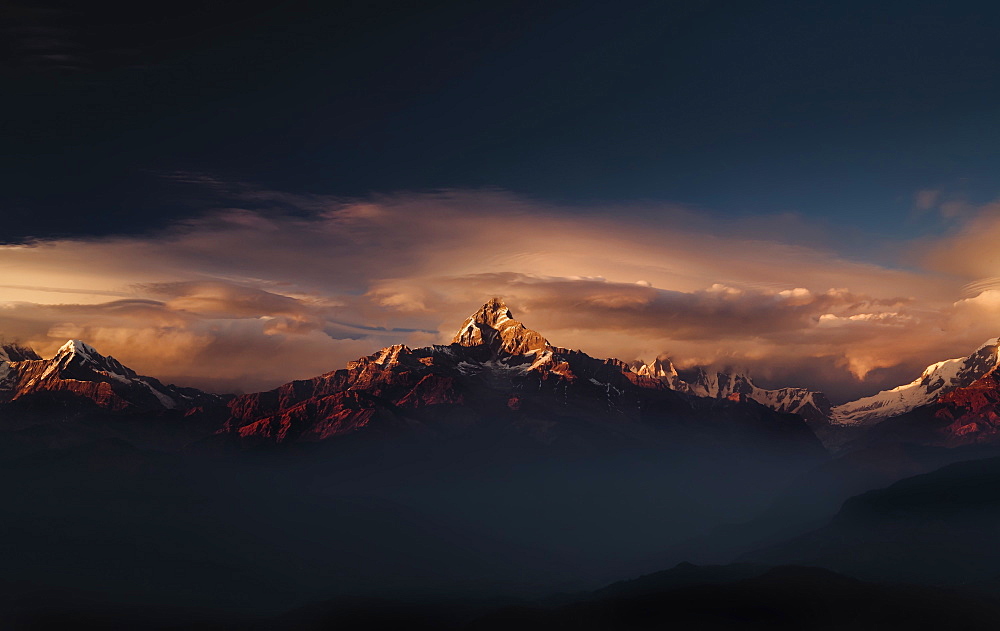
x=278, y=286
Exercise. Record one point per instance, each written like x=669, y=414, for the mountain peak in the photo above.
x=79, y=368
x=16, y=353
x=936, y=380
x=661, y=368
x=78, y=347
x=493, y=325
x=79, y=353
x=494, y=313
x=738, y=386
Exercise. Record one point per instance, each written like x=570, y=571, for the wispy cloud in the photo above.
x=277, y=286
x=926, y=199
x=970, y=251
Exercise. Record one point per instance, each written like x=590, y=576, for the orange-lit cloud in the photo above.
x=246, y=299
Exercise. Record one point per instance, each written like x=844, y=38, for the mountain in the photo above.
x=495, y=328
x=714, y=598
x=781, y=598
x=813, y=406
x=937, y=528
x=82, y=373
x=952, y=402
x=12, y=353
x=813, y=498
x=501, y=376
x=936, y=380
x=497, y=367
x=968, y=415
x=499, y=463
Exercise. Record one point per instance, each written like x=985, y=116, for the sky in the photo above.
x=231, y=195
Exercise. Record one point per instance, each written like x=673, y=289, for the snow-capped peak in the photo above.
x=78, y=360
x=937, y=379
x=494, y=326
x=78, y=347
x=698, y=381
x=79, y=353
x=661, y=367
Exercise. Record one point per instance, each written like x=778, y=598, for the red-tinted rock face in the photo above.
x=431, y=390
x=972, y=413
x=100, y=392
x=330, y=404
x=313, y=419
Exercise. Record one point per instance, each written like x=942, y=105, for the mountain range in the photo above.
x=698, y=381
x=502, y=464
x=497, y=368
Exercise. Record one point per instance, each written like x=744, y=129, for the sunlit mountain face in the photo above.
x=528, y=314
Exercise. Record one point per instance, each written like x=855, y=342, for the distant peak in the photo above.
x=81, y=353
x=77, y=347
x=16, y=353
x=936, y=380
x=661, y=367
x=494, y=325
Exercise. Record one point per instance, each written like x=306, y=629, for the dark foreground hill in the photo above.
x=687, y=597
x=938, y=528
x=780, y=598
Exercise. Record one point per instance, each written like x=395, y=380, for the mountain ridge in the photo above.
x=495, y=368
x=936, y=380
x=699, y=381
x=78, y=368
x=941, y=383
x=492, y=352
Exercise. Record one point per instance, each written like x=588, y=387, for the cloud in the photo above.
x=276, y=286
x=926, y=199
x=971, y=252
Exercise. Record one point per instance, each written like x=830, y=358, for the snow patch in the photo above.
x=165, y=401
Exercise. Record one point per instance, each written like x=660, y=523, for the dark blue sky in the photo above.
x=838, y=111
